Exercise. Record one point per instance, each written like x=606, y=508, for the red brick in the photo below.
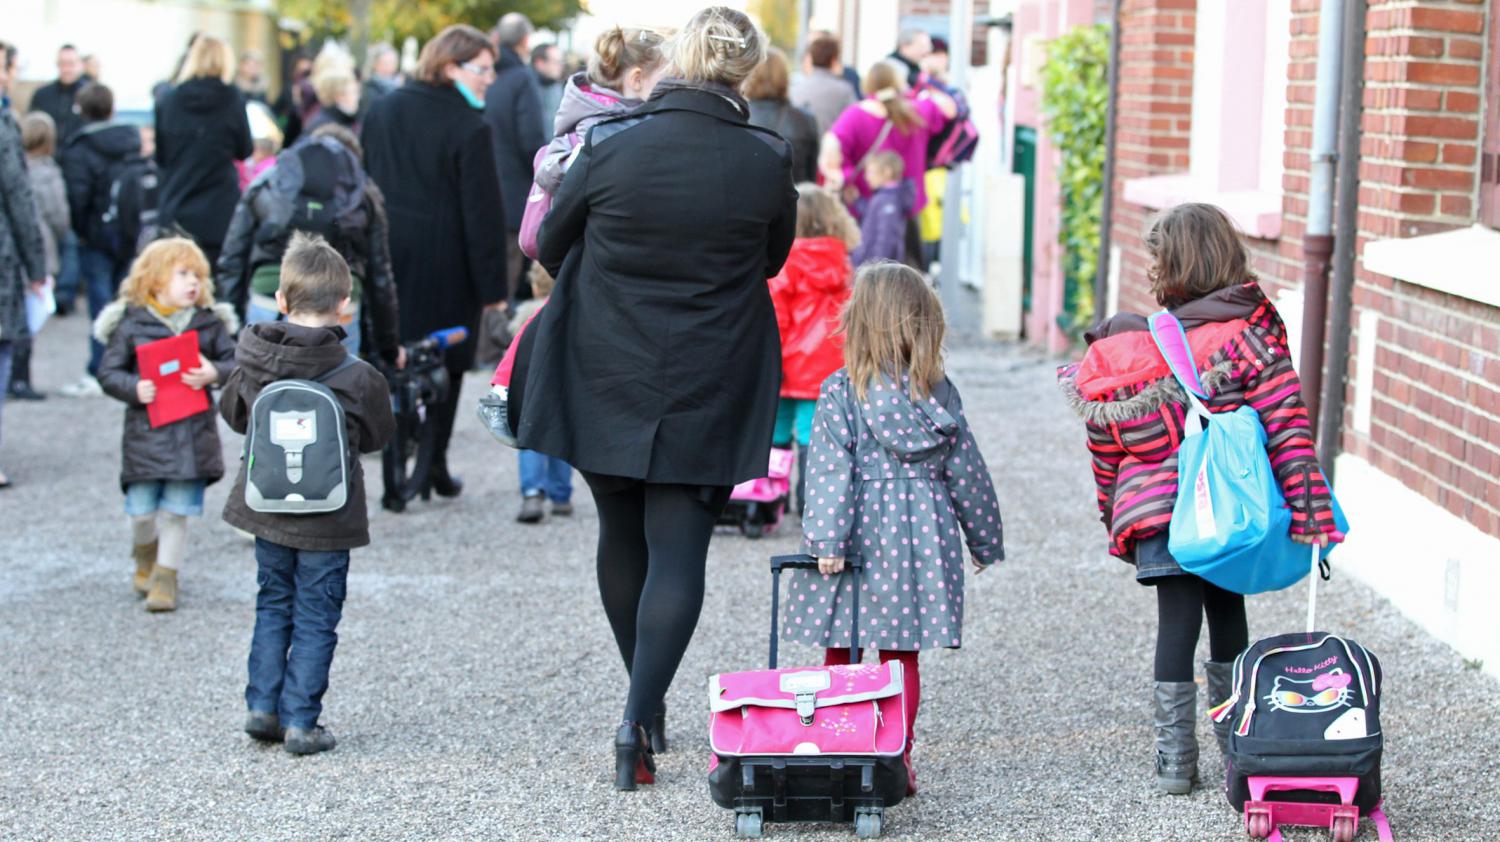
x=1441, y=73
x=1454, y=127
x=1445, y=20
x=1457, y=206
x=1459, y=153
x=1465, y=48
x=1418, y=203
x=1462, y=101
x=1434, y=179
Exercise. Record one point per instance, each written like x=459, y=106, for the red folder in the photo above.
x=163, y=362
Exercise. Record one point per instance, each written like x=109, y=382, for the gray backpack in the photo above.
x=297, y=448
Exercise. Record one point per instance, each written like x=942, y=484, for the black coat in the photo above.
x=183, y=450
x=797, y=127
x=86, y=162
x=201, y=131
x=58, y=101
x=273, y=351
x=429, y=151
x=657, y=356
x=513, y=108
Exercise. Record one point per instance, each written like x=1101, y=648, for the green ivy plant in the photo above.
x=1075, y=93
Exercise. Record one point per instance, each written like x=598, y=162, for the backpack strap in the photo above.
x=348, y=362
x=1171, y=340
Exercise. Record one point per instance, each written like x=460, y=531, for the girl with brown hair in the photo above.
x=894, y=474
x=1135, y=410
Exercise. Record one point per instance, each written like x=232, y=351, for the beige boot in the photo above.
x=163, y=594
x=145, y=562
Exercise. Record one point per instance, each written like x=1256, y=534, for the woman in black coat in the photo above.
x=201, y=131
x=428, y=147
x=771, y=109
x=655, y=365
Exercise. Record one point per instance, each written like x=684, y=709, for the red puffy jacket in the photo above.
x=809, y=293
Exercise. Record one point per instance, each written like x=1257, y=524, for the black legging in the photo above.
x=653, y=548
x=1181, y=603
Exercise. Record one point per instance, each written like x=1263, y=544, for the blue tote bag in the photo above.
x=1230, y=524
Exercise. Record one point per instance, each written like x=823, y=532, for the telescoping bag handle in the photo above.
x=852, y=563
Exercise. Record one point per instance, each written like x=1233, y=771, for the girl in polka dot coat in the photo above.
x=893, y=475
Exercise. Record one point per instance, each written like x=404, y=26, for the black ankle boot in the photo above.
x=634, y=762
x=658, y=732
x=443, y=483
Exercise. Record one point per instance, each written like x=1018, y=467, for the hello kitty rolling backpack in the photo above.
x=1304, y=738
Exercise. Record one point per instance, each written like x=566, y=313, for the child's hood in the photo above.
x=280, y=350
x=913, y=430
x=115, y=313
x=819, y=264
x=582, y=100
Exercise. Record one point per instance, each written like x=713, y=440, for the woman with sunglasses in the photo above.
x=428, y=147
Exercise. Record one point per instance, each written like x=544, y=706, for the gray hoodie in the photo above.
x=583, y=104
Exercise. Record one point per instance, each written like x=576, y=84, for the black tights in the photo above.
x=653, y=549
x=1181, y=603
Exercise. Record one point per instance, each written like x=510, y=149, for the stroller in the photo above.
x=811, y=744
x=757, y=506
x=406, y=461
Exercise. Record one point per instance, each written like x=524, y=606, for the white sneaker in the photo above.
x=86, y=387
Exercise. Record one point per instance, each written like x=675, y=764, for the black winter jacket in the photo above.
x=797, y=127
x=201, y=131
x=58, y=101
x=430, y=152
x=272, y=351
x=657, y=356
x=86, y=162
x=513, y=110
x=183, y=450
x=261, y=228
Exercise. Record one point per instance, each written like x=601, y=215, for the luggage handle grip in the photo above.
x=802, y=561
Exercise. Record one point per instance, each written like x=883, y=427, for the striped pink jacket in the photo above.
x=1134, y=411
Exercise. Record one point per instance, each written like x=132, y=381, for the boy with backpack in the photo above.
x=111, y=186
x=308, y=409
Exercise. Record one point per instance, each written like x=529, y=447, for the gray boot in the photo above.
x=1176, y=739
x=1220, y=686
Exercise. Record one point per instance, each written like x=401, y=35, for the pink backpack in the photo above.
x=539, y=201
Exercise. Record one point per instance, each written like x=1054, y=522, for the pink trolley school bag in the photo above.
x=809, y=744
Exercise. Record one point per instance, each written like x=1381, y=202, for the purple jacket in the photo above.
x=883, y=217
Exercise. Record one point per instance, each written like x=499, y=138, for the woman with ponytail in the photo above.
x=888, y=118
x=655, y=366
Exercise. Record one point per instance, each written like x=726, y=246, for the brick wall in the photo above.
x=1436, y=397
x=1436, y=412
x=1153, y=118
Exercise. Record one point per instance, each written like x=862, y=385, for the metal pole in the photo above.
x=1107, y=214
x=960, y=313
x=1317, y=244
x=804, y=20
x=1341, y=296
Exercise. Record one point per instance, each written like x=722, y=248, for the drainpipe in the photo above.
x=1341, y=296
x=1317, y=244
x=1107, y=215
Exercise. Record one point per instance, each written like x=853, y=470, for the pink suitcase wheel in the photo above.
x=1344, y=829
x=1258, y=824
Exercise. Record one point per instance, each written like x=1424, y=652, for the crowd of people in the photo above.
x=681, y=254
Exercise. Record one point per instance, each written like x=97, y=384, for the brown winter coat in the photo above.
x=183, y=450
x=272, y=351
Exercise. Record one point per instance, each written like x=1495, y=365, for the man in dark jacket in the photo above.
x=58, y=99
x=513, y=109
x=303, y=558
x=912, y=45
x=551, y=78
x=92, y=160
x=327, y=168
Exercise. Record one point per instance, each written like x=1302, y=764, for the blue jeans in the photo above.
x=178, y=497
x=67, y=271
x=543, y=474
x=296, y=616
x=100, y=274
x=255, y=312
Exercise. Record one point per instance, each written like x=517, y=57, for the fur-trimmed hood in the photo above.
x=114, y=314
x=1123, y=376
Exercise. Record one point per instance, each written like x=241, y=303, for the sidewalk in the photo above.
x=476, y=689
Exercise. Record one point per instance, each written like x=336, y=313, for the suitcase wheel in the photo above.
x=749, y=824
x=1344, y=828
x=868, y=822
x=1258, y=824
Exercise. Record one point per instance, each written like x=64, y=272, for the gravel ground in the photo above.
x=476, y=689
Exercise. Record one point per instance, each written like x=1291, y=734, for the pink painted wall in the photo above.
x=1047, y=19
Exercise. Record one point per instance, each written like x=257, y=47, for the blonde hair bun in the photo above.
x=719, y=45
x=622, y=49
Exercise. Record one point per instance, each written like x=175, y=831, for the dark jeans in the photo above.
x=296, y=616
x=101, y=273
x=66, y=291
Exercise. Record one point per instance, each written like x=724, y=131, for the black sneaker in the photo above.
x=308, y=740
x=263, y=726
x=21, y=390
